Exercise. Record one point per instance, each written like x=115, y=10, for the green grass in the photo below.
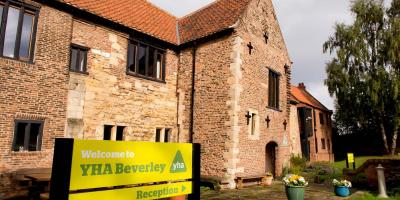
x=359, y=161
x=369, y=196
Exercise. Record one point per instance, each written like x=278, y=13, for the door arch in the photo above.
x=270, y=157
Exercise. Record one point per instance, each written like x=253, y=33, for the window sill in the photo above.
x=272, y=108
x=26, y=152
x=145, y=77
x=79, y=72
x=18, y=60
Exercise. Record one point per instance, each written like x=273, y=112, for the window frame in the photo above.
x=273, y=101
x=80, y=49
x=21, y=6
x=321, y=118
x=27, y=136
x=323, y=143
x=135, y=73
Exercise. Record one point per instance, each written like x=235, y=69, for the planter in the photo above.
x=268, y=180
x=182, y=197
x=342, y=191
x=295, y=192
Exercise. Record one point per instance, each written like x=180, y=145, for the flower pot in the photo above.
x=295, y=192
x=267, y=180
x=342, y=191
x=182, y=197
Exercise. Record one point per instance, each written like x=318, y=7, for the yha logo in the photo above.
x=178, y=164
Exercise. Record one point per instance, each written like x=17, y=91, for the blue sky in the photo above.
x=306, y=25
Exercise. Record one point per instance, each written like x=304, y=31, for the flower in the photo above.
x=341, y=183
x=294, y=180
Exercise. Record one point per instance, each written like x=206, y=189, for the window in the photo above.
x=273, y=90
x=28, y=135
x=321, y=118
x=146, y=61
x=78, y=59
x=323, y=143
x=158, y=134
x=329, y=144
x=253, y=124
x=120, y=133
x=107, y=132
x=167, y=134
x=18, y=28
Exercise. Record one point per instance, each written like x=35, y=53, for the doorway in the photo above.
x=270, y=157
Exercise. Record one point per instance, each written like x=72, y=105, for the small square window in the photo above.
x=158, y=134
x=78, y=59
x=28, y=135
x=107, y=132
x=120, y=133
x=167, y=134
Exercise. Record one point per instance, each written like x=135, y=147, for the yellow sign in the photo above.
x=146, y=192
x=97, y=164
x=350, y=157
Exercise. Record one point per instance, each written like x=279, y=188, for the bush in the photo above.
x=297, y=161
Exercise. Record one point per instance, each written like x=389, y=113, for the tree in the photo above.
x=364, y=72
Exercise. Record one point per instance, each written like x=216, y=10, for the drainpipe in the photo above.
x=191, y=132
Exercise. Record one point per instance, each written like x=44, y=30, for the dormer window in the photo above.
x=146, y=61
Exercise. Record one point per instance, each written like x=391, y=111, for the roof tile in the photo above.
x=303, y=96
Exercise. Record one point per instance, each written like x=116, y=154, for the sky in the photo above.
x=305, y=24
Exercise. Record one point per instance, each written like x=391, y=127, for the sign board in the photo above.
x=350, y=157
x=145, y=192
x=96, y=167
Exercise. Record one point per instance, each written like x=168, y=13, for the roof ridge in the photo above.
x=161, y=9
x=198, y=10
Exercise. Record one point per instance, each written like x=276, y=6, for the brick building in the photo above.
x=311, y=126
x=127, y=70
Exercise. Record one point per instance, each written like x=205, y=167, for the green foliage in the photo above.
x=364, y=73
x=297, y=161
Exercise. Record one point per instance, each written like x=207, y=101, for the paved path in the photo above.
x=273, y=192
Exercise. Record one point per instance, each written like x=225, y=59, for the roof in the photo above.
x=216, y=17
x=142, y=16
x=301, y=95
x=139, y=15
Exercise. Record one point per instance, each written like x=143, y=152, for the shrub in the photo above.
x=297, y=161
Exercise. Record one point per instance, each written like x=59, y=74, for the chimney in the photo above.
x=302, y=86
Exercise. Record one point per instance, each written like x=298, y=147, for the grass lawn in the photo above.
x=360, y=160
x=369, y=196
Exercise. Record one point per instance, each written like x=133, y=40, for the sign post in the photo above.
x=350, y=159
x=88, y=169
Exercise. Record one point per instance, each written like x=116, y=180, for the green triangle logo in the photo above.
x=178, y=165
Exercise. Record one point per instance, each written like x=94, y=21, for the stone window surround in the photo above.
x=253, y=135
x=23, y=8
x=163, y=134
x=114, y=131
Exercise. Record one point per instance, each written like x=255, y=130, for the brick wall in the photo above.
x=211, y=109
x=36, y=91
x=258, y=19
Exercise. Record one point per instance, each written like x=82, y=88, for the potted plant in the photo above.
x=342, y=187
x=268, y=179
x=295, y=186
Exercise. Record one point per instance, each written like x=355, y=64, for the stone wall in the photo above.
x=258, y=19
x=108, y=96
x=36, y=91
x=295, y=140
